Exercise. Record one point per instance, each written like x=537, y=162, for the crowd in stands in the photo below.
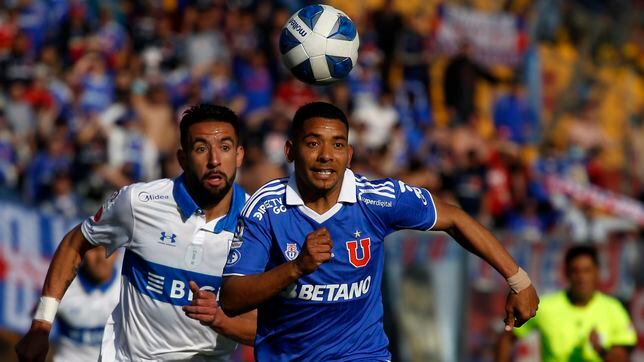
x=91, y=94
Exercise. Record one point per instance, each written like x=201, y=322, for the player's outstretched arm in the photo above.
x=62, y=271
x=240, y=294
x=205, y=309
x=522, y=301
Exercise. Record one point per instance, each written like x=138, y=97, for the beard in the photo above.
x=214, y=194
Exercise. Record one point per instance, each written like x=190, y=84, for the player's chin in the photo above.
x=217, y=190
x=324, y=185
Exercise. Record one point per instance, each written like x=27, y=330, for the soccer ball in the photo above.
x=319, y=44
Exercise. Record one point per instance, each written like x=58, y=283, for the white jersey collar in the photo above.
x=347, y=190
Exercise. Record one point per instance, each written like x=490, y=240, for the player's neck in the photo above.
x=220, y=208
x=213, y=207
x=579, y=300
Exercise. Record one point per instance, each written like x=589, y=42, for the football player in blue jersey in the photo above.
x=176, y=234
x=308, y=250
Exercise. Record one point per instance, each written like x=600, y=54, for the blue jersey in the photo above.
x=335, y=313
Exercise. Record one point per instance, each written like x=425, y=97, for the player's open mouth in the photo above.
x=322, y=173
x=214, y=179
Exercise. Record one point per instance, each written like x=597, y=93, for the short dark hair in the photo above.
x=205, y=112
x=316, y=109
x=581, y=250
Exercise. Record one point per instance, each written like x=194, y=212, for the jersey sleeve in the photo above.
x=112, y=225
x=414, y=208
x=622, y=329
x=249, y=251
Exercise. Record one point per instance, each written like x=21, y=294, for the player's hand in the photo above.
x=204, y=307
x=520, y=307
x=315, y=251
x=35, y=344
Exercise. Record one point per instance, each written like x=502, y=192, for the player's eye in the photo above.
x=339, y=145
x=312, y=144
x=200, y=149
x=226, y=148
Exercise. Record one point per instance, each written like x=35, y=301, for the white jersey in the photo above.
x=168, y=243
x=81, y=318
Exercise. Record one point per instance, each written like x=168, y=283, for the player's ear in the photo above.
x=181, y=157
x=288, y=150
x=240, y=156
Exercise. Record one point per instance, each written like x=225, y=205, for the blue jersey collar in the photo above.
x=188, y=207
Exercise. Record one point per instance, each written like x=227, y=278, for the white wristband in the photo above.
x=519, y=281
x=47, y=308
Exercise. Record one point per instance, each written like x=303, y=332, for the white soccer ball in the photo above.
x=319, y=44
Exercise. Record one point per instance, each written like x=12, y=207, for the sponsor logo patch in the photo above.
x=145, y=196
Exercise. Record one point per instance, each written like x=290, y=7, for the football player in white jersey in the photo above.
x=176, y=234
x=85, y=308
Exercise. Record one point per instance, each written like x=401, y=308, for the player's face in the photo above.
x=321, y=152
x=211, y=157
x=582, y=276
x=96, y=266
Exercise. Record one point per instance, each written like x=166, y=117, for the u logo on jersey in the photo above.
x=352, y=248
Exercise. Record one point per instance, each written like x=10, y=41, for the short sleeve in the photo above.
x=414, y=209
x=622, y=329
x=249, y=251
x=112, y=225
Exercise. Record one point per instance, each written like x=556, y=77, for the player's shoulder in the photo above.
x=271, y=192
x=378, y=192
x=608, y=302
x=157, y=190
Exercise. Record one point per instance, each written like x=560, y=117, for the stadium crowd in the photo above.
x=91, y=93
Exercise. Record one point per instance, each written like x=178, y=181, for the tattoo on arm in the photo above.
x=71, y=279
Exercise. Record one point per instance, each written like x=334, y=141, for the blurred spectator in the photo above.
x=84, y=310
x=460, y=82
x=219, y=87
x=19, y=112
x=63, y=201
x=18, y=65
x=94, y=83
x=470, y=183
x=387, y=22
x=292, y=94
x=514, y=118
x=54, y=157
x=378, y=118
x=257, y=86
x=206, y=44
x=152, y=107
x=132, y=156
